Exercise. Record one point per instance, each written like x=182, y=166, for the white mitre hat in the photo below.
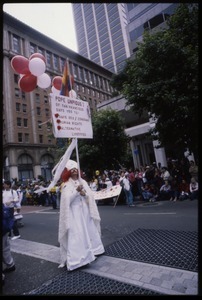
x=71, y=164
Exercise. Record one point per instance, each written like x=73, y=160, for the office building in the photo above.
x=101, y=35
x=28, y=142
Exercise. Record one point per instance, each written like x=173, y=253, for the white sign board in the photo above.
x=115, y=190
x=71, y=118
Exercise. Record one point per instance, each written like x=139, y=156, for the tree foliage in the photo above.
x=162, y=79
x=109, y=144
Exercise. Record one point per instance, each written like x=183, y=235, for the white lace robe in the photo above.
x=79, y=226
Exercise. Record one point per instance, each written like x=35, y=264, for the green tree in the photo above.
x=162, y=79
x=109, y=147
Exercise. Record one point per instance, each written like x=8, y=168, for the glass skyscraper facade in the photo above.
x=101, y=35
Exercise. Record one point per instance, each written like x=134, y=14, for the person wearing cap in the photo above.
x=79, y=221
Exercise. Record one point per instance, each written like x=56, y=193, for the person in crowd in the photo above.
x=165, y=174
x=10, y=198
x=53, y=197
x=139, y=181
x=125, y=183
x=147, y=192
x=193, y=187
x=58, y=195
x=193, y=170
x=7, y=224
x=133, y=182
x=183, y=190
x=165, y=192
x=79, y=221
x=93, y=183
x=174, y=189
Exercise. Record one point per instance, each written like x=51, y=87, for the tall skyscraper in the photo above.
x=101, y=33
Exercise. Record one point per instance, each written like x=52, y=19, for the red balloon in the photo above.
x=39, y=55
x=27, y=83
x=57, y=82
x=20, y=64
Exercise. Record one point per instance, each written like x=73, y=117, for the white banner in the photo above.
x=71, y=118
x=115, y=190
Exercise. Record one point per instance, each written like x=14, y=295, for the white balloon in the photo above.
x=72, y=94
x=37, y=66
x=55, y=91
x=43, y=81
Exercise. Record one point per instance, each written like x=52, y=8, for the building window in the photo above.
x=17, y=93
x=75, y=71
x=90, y=78
x=41, y=51
x=38, y=111
x=41, y=139
x=55, y=62
x=26, y=137
x=17, y=105
x=85, y=75
x=23, y=95
x=25, y=121
x=32, y=48
x=48, y=59
x=47, y=112
x=19, y=137
x=16, y=44
x=80, y=73
x=24, y=108
x=62, y=63
x=37, y=98
x=45, y=99
x=39, y=124
x=19, y=122
x=16, y=78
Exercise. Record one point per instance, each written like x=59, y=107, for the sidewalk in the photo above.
x=156, y=278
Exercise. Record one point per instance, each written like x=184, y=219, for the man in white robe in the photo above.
x=79, y=222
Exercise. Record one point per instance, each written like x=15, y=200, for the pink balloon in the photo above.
x=20, y=64
x=57, y=82
x=39, y=55
x=27, y=83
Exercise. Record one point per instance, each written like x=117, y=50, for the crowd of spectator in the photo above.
x=177, y=181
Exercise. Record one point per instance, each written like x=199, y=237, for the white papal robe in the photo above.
x=79, y=226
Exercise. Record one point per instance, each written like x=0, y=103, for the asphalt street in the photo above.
x=36, y=252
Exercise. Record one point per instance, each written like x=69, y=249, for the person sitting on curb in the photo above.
x=193, y=187
x=165, y=192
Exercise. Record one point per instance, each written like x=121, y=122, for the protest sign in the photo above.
x=70, y=117
x=113, y=191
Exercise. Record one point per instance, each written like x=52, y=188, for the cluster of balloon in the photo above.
x=32, y=72
x=57, y=86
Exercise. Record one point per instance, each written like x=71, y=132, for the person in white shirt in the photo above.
x=125, y=183
x=10, y=199
x=193, y=187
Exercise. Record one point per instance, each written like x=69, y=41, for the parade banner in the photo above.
x=71, y=117
x=107, y=193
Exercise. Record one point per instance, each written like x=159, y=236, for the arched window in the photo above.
x=25, y=167
x=47, y=164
